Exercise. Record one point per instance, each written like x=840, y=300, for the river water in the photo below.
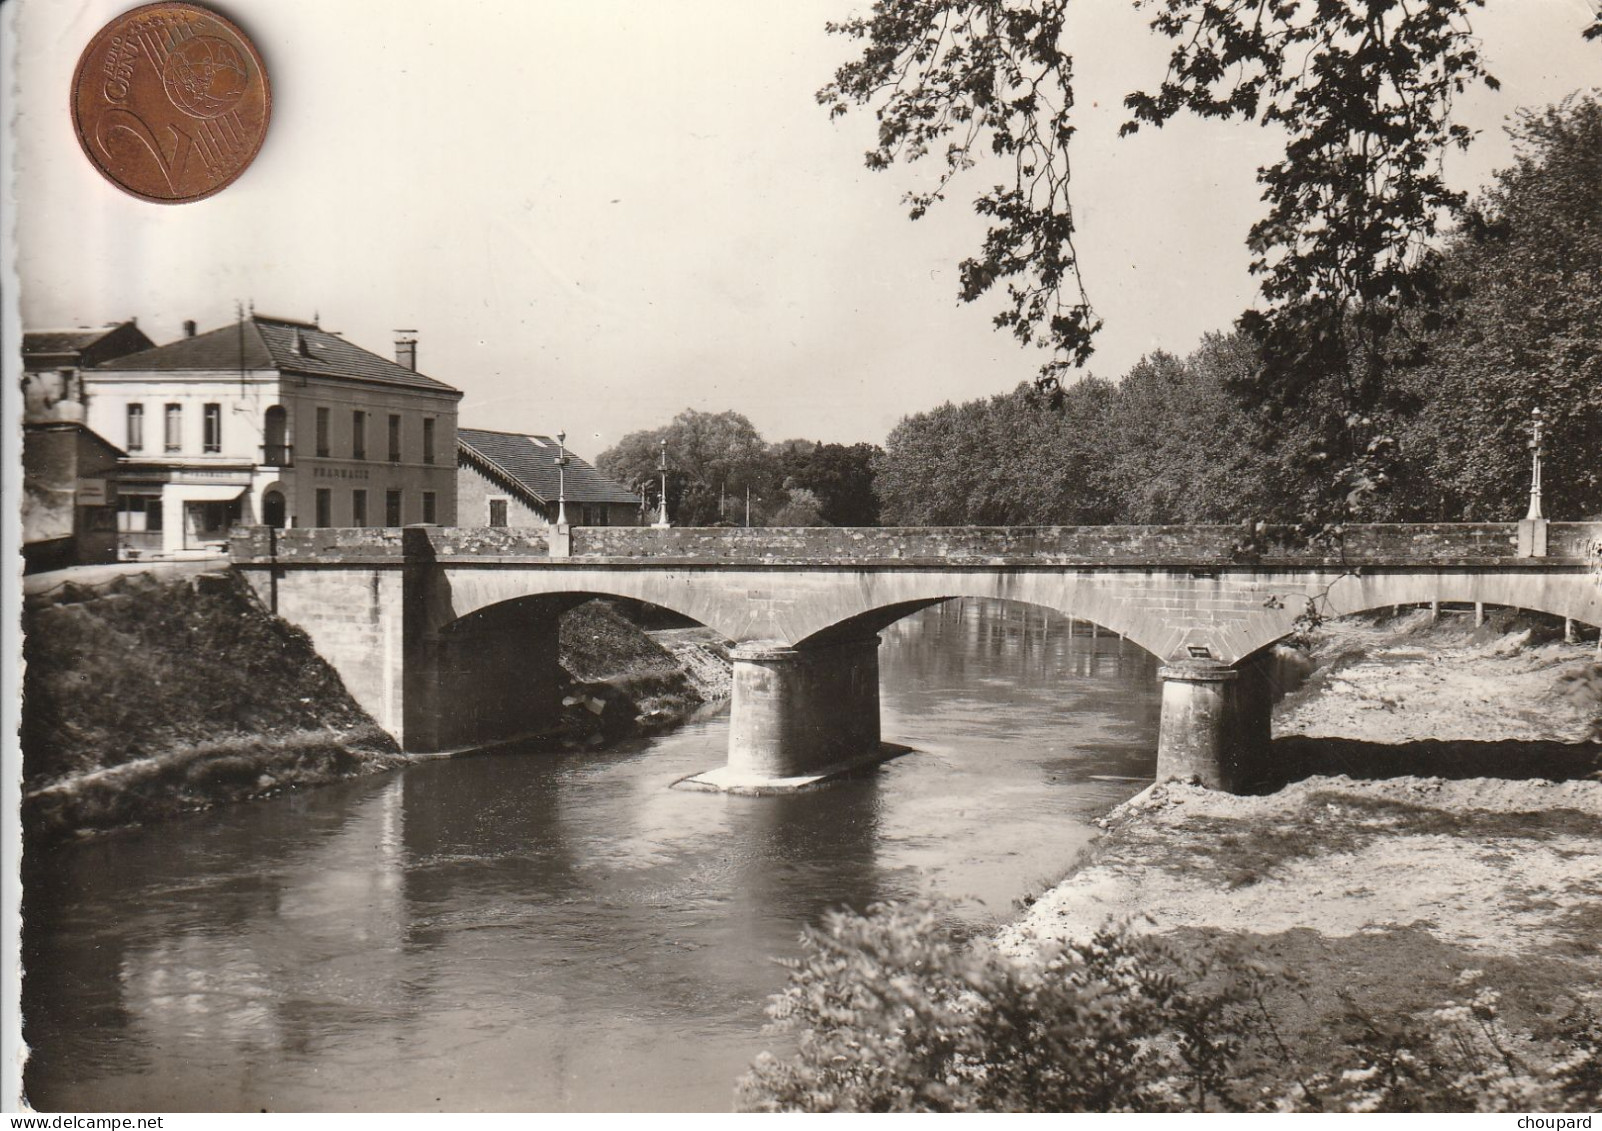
x=565, y=931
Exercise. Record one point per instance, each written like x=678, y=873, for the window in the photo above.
x=217, y=518
x=274, y=438
x=173, y=439
x=325, y=506
x=394, y=438
x=136, y=428
x=429, y=510
x=428, y=439
x=358, y=435
x=213, y=437
x=497, y=515
x=322, y=434
x=392, y=508
x=358, y=507
x=138, y=514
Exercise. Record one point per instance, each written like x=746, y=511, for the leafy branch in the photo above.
x=963, y=77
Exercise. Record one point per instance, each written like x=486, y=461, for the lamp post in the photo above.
x=561, y=478
x=1537, y=450
x=662, y=518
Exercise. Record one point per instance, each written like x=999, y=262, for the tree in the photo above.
x=1363, y=92
x=840, y=475
x=713, y=458
x=800, y=507
x=1180, y=446
x=1522, y=329
x=1024, y=457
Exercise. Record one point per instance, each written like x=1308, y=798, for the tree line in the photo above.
x=1513, y=323
x=1363, y=95
x=720, y=471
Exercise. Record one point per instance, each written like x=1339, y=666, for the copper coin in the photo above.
x=170, y=102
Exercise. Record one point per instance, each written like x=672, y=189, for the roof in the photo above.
x=61, y=341
x=528, y=464
x=262, y=342
x=82, y=429
x=80, y=342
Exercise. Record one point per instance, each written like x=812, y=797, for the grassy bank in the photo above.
x=623, y=681
x=145, y=697
x=151, y=697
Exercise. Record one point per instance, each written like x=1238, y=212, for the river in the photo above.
x=538, y=931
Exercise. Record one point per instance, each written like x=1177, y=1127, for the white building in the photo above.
x=275, y=422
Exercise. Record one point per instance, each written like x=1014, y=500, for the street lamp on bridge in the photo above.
x=1537, y=450
x=561, y=478
x=1532, y=530
x=662, y=522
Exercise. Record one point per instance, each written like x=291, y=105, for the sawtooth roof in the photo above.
x=262, y=342
x=528, y=464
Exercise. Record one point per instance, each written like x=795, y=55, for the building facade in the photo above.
x=69, y=474
x=273, y=422
x=69, y=495
x=510, y=479
x=53, y=362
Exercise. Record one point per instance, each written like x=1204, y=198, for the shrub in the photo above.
x=893, y=1013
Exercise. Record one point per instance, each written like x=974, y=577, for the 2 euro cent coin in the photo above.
x=170, y=102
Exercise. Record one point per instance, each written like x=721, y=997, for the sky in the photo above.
x=597, y=214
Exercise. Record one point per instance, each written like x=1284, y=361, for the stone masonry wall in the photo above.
x=1203, y=546
x=1399, y=544
x=353, y=617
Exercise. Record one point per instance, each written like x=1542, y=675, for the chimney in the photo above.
x=189, y=327
x=406, y=348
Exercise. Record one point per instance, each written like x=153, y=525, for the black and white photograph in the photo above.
x=746, y=556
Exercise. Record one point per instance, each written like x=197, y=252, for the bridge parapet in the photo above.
x=1157, y=546
x=1393, y=544
x=316, y=545
x=1575, y=540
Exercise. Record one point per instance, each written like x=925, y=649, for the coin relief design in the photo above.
x=170, y=102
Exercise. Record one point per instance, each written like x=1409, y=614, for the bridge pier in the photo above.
x=799, y=715
x=1215, y=723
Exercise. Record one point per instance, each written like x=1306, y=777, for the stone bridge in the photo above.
x=448, y=636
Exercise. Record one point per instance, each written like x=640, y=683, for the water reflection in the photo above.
x=558, y=931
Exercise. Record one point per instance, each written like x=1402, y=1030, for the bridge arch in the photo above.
x=876, y=620
x=1575, y=595
x=811, y=608
x=476, y=591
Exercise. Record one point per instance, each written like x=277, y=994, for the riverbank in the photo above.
x=624, y=680
x=1374, y=897
x=149, y=693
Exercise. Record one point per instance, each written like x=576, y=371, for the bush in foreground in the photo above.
x=894, y=1014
